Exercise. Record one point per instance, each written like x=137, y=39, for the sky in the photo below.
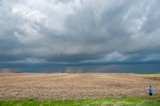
x=77, y=33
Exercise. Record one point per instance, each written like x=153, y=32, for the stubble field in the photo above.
x=75, y=86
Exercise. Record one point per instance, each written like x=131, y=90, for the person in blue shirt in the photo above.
x=150, y=91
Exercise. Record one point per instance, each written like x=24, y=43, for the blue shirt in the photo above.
x=150, y=90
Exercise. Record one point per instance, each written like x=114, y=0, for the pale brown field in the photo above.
x=67, y=85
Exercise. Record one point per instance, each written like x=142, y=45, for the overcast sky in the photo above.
x=74, y=32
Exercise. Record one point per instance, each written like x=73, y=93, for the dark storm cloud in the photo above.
x=79, y=31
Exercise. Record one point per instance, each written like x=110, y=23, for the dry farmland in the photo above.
x=68, y=85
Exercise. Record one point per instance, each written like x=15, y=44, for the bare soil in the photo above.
x=68, y=85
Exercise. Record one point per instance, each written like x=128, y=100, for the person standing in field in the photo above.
x=150, y=91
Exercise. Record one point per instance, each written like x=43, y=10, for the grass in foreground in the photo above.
x=124, y=101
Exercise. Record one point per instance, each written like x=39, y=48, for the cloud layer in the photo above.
x=79, y=31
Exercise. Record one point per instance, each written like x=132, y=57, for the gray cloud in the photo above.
x=79, y=31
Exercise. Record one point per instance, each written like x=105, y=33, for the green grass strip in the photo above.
x=123, y=101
